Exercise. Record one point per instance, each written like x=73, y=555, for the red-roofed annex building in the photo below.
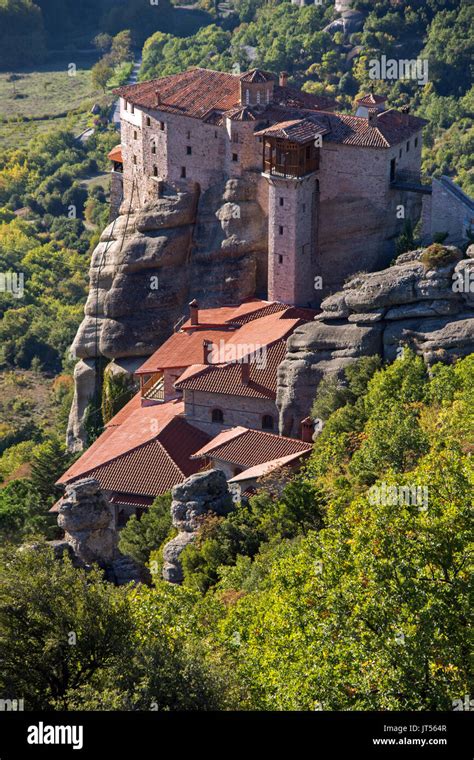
x=330, y=184
x=213, y=379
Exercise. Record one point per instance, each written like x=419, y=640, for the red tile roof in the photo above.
x=185, y=348
x=370, y=99
x=201, y=92
x=227, y=378
x=263, y=469
x=116, y=154
x=256, y=75
x=141, y=426
x=247, y=448
x=237, y=314
x=296, y=130
x=144, y=456
x=391, y=129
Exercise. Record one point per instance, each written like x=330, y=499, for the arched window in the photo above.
x=247, y=96
x=258, y=97
x=267, y=422
x=217, y=415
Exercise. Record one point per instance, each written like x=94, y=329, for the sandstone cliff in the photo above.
x=150, y=263
x=429, y=309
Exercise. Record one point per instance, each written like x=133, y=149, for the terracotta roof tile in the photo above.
x=370, y=99
x=141, y=426
x=227, y=378
x=296, y=130
x=248, y=448
x=391, y=128
x=263, y=469
x=181, y=350
x=202, y=93
x=256, y=75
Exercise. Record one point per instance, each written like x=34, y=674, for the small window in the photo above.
x=132, y=108
x=183, y=172
x=304, y=208
x=267, y=422
x=400, y=153
x=235, y=137
x=153, y=148
x=125, y=105
x=280, y=230
x=215, y=133
x=282, y=201
x=148, y=121
x=280, y=259
x=189, y=150
x=258, y=97
x=135, y=160
x=408, y=146
x=235, y=157
x=188, y=135
x=162, y=126
x=247, y=97
x=416, y=142
x=134, y=134
x=217, y=415
x=155, y=170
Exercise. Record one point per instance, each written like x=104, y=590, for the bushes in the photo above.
x=437, y=255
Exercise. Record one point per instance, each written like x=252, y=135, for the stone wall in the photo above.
x=448, y=209
x=198, y=406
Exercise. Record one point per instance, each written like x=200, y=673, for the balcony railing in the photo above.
x=154, y=388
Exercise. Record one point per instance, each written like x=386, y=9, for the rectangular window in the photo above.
x=215, y=133
x=408, y=146
x=125, y=105
x=155, y=171
x=280, y=259
x=416, y=142
x=235, y=157
x=153, y=148
x=400, y=153
x=304, y=208
x=280, y=230
x=188, y=135
x=189, y=150
x=135, y=160
x=148, y=121
x=393, y=166
x=162, y=126
x=132, y=108
x=183, y=172
x=235, y=137
x=134, y=134
x=282, y=201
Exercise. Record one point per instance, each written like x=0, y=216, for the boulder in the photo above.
x=86, y=517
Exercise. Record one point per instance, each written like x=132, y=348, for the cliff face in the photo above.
x=150, y=263
x=429, y=310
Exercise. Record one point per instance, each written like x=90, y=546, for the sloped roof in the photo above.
x=145, y=456
x=390, y=129
x=370, y=99
x=257, y=75
x=227, y=378
x=296, y=130
x=116, y=154
x=203, y=93
x=184, y=348
x=263, y=469
x=247, y=448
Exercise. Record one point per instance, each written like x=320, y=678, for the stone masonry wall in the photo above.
x=198, y=406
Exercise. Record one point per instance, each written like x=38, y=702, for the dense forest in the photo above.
x=309, y=594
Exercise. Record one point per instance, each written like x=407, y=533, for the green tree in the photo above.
x=140, y=537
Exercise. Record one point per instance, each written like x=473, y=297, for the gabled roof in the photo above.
x=116, y=154
x=203, y=93
x=391, y=128
x=257, y=75
x=247, y=448
x=184, y=348
x=147, y=454
x=227, y=378
x=370, y=99
x=263, y=469
x=296, y=130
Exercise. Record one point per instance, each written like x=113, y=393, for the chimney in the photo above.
x=283, y=80
x=206, y=351
x=245, y=365
x=157, y=98
x=372, y=117
x=307, y=430
x=405, y=111
x=194, y=312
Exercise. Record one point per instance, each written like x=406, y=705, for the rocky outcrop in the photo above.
x=87, y=520
x=150, y=263
x=431, y=310
x=198, y=496
x=90, y=535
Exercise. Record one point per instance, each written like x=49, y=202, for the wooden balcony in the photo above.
x=153, y=389
x=282, y=158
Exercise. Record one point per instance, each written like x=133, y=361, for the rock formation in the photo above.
x=90, y=535
x=198, y=496
x=150, y=263
x=431, y=310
